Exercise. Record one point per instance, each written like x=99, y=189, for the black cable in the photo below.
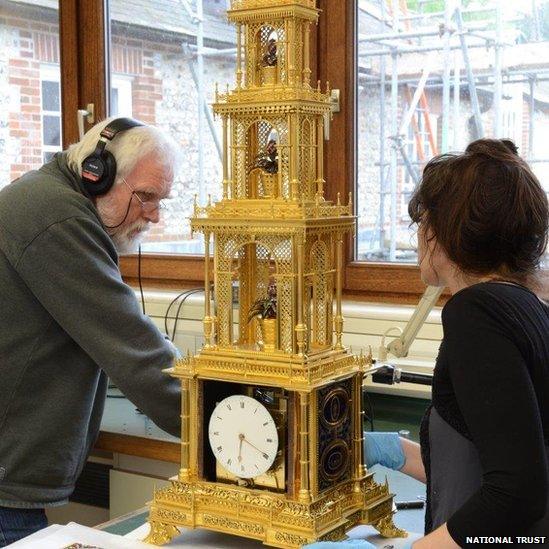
x=125, y=216
x=166, y=331
x=139, y=279
x=191, y=292
x=185, y=293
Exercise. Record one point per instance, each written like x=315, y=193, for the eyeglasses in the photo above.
x=148, y=203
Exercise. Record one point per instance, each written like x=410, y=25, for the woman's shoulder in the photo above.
x=502, y=302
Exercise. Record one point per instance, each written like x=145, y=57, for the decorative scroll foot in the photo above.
x=161, y=533
x=386, y=527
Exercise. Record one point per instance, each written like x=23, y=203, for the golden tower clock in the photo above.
x=271, y=437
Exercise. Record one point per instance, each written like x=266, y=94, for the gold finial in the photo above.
x=195, y=204
x=327, y=87
x=339, y=199
x=209, y=200
x=216, y=92
x=350, y=203
x=318, y=86
x=227, y=89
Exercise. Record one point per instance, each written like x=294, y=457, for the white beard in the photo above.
x=128, y=239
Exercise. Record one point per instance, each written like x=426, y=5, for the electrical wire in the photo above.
x=197, y=290
x=186, y=294
x=139, y=279
x=125, y=215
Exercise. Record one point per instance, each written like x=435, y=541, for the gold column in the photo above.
x=304, y=492
x=320, y=156
x=291, y=53
x=338, y=320
x=295, y=157
x=283, y=152
x=232, y=150
x=225, y=157
x=193, y=428
x=208, y=320
x=300, y=328
x=306, y=56
x=238, y=56
x=293, y=130
x=185, y=425
x=358, y=439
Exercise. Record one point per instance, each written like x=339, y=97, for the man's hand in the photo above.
x=383, y=448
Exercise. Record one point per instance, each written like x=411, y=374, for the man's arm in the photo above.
x=71, y=270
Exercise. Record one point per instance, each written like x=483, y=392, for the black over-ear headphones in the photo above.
x=99, y=169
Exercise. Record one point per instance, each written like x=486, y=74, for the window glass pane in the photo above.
x=29, y=43
x=114, y=101
x=50, y=96
x=163, y=79
x=48, y=156
x=52, y=130
x=404, y=120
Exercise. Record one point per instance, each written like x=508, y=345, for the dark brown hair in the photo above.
x=486, y=208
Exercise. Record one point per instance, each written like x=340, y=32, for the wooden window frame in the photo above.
x=84, y=80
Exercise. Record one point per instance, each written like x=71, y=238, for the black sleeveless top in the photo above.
x=485, y=438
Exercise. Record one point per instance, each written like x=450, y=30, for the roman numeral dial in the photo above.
x=243, y=436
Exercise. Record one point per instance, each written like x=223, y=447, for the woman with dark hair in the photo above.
x=482, y=221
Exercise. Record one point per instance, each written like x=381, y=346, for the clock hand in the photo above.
x=260, y=451
x=241, y=437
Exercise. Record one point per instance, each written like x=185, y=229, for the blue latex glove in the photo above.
x=383, y=448
x=348, y=544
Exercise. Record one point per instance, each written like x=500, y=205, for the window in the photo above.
x=147, y=54
x=431, y=77
x=50, y=100
x=121, y=100
x=171, y=64
x=30, y=109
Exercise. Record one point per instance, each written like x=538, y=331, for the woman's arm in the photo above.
x=495, y=394
x=413, y=466
x=437, y=539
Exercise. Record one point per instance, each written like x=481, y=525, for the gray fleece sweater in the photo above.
x=67, y=321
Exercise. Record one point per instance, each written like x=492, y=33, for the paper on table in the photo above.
x=59, y=537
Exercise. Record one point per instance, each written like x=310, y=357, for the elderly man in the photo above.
x=68, y=320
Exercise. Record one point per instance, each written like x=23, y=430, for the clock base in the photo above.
x=276, y=520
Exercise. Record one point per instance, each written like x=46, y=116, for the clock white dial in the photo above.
x=243, y=436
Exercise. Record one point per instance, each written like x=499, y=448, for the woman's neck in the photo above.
x=459, y=280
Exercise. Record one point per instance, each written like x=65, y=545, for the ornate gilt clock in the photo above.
x=271, y=421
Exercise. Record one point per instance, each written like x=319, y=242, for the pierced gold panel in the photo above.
x=257, y=39
x=307, y=158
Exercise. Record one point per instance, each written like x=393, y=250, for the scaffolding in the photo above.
x=452, y=35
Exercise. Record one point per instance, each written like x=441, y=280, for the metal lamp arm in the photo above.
x=400, y=346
